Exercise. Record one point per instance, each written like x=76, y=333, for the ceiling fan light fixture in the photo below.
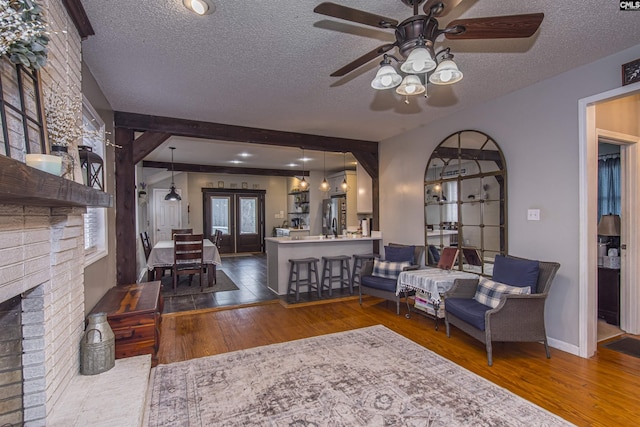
x=447, y=73
x=386, y=78
x=200, y=7
x=411, y=85
x=419, y=61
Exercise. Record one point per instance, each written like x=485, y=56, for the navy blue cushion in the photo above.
x=379, y=283
x=399, y=254
x=469, y=310
x=516, y=272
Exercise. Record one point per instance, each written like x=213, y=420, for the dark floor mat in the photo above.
x=630, y=346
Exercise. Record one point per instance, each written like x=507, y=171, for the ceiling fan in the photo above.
x=416, y=37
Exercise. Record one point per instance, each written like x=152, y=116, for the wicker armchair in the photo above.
x=383, y=287
x=517, y=318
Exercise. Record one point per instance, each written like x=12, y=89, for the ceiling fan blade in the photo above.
x=497, y=27
x=363, y=60
x=444, y=6
x=354, y=15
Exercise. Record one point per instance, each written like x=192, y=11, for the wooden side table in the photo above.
x=609, y=295
x=134, y=314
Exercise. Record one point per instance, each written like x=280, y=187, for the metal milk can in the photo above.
x=98, y=346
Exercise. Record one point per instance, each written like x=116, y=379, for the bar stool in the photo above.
x=342, y=278
x=294, y=276
x=358, y=261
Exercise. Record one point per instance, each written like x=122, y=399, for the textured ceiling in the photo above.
x=266, y=64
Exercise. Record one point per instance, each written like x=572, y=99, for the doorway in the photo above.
x=590, y=132
x=167, y=214
x=239, y=214
x=610, y=202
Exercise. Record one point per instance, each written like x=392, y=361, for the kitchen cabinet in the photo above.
x=364, y=195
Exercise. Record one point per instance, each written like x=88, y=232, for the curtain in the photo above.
x=608, y=185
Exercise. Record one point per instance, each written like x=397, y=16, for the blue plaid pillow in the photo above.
x=388, y=269
x=490, y=292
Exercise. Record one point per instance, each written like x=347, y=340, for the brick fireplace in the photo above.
x=41, y=267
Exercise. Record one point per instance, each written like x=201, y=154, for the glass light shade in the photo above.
x=419, y=61
x=324, y=185
x=411, y=85
x=303, y=183
x=447, y=73
x=201, y=7
x=344, y=185
x=386, y=78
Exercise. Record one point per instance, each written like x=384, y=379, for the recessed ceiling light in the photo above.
x=244, y=155
x=292, y=165
x=236, y=162
x=201, y=7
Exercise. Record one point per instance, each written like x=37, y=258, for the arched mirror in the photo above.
x=465, y=206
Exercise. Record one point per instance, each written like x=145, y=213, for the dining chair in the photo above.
x=146, y=244
x=187, y=257
x=217, y=238
x=448, y=258
x=175, y=231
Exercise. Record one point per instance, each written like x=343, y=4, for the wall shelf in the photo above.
x=23, y=185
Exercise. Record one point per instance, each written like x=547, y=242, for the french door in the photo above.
x=239, y=214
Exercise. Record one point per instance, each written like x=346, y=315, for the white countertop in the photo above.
x=319, y=239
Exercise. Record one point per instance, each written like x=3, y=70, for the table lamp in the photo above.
x=609, y=226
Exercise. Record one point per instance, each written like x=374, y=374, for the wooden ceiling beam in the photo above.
x=369, y=161
x=79, y=17
x=223, y=132
x=146, y=143
x=189, y=167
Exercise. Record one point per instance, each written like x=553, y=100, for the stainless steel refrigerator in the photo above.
x=334, y=215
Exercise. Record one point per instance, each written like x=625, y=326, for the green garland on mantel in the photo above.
x=23, y=35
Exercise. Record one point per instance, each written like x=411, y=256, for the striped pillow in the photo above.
x=388, y=269
x=490, y=292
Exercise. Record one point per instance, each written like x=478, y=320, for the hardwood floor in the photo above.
x=601, y=391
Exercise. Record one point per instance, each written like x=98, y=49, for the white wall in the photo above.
x=537, y=129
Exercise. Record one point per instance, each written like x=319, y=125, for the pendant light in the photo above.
x=303, y=182
x=173, y=196
x=344, y=184
x=324, y=185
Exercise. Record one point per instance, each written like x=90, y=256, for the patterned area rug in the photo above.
x=223, y=283
x=364, y=377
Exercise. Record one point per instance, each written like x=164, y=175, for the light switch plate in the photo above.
x=533, y=215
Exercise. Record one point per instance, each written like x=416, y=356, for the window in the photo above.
x=22, y=129
x=95, y=221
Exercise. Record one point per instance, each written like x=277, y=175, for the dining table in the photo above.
x=161, y=258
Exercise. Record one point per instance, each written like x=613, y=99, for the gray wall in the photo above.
x=537, y=129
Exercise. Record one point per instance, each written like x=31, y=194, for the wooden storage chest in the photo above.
x=134, y=314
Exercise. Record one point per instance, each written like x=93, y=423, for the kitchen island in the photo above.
x=281, y=249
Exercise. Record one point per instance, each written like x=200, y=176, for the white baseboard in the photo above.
x=564, y=346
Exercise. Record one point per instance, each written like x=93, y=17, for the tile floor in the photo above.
x=249, y=273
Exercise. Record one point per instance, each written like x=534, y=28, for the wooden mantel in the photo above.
x=24, y=185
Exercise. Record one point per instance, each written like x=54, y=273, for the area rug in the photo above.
x=364, y=377
x=630, y=346
x=223, y=283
